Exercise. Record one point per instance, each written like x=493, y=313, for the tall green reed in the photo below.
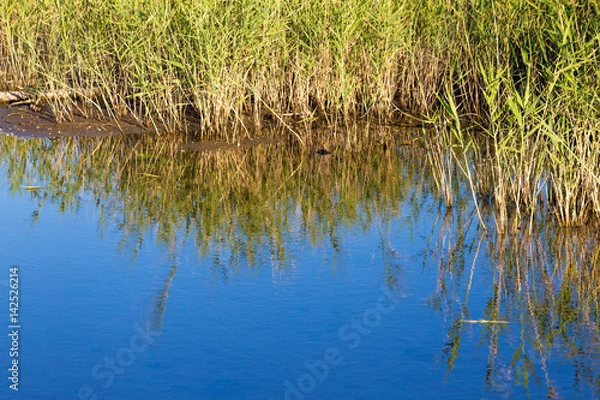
x=163, y=62
x=534, y=148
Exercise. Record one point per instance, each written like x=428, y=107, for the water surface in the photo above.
x=276, y=273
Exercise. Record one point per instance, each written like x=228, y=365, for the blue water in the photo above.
x=98, y=323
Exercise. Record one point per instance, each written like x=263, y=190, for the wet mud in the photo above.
x=23, y=121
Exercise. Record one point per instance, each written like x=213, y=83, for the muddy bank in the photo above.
x=28, y=122
x=22, y=121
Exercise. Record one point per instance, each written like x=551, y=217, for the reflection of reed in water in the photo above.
x=244, y=205
x=161, y=301
x=544, y=290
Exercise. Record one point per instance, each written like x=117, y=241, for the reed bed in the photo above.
x=520, y=115
x=216, y=61
x=511, y=88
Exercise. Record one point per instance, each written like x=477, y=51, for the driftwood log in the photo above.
x=60, y=94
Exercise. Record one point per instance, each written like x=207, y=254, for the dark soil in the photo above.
x=25, y=122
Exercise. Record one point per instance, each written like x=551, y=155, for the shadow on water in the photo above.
x=532, y=298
